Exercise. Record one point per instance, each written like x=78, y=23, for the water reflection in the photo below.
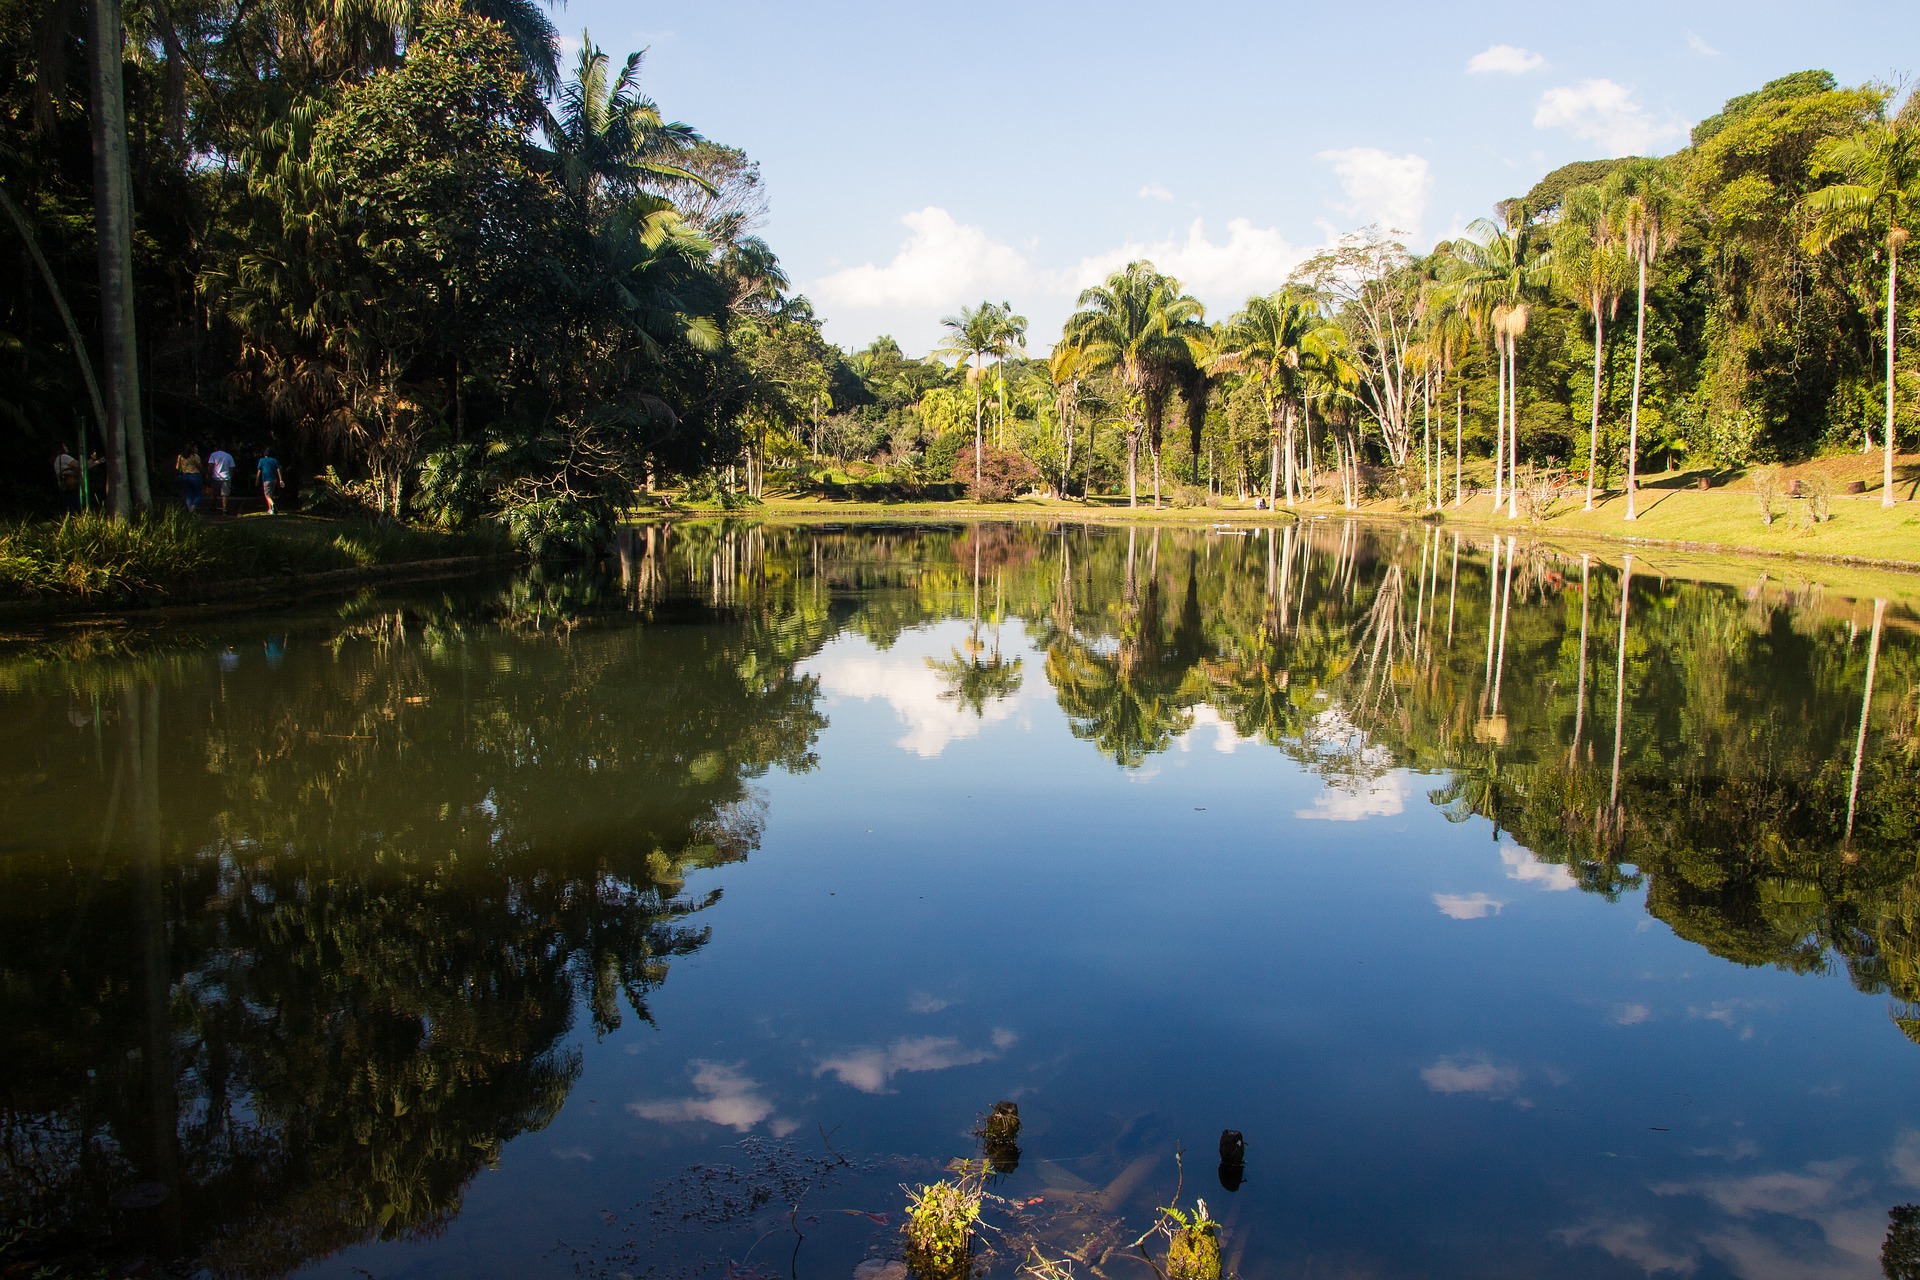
x=299, y=919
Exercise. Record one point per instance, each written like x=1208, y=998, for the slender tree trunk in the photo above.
x=1306, y=417
x=977, y=439
x=1273, y=462
x=1432, y=494
x=1500, y=420
x=1580, y=694
x=1866, y=710
x=1459, y=450
x=25, y=228
x=1893, y=273
x=1620, y=680
x=1133, y=465
x=1513, y=426
x=1593, y=431
x=1154, y=449
x=113, y=229
x=1633, y=418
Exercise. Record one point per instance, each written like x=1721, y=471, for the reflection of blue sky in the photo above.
x=1373, y=1003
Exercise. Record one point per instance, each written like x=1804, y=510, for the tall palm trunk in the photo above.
x=977, y=441
x=1633, y=417
x=1866, y=711
x=1499, y=421
x=1593, y=431
x=1893, y=273
x=1513, y=426
x=113, y=228
x=1459, y=449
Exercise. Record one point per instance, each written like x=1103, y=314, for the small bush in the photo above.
x=1818, y=491
x=1003, y=474
x=1766, y=491
x=1192, y=495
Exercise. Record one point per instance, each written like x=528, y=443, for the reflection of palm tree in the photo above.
x=974, y=680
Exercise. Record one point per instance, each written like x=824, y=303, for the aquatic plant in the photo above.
x=939, y=1228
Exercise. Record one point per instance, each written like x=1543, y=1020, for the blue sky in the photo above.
x=920, y=157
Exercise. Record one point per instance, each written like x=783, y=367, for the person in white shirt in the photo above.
x=220, y=464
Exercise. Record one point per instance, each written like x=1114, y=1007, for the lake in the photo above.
x=1529, y=914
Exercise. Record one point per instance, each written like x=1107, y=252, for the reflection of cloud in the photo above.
x=1905, y=1157
x=1358, y=799
x=1226, y=739
x=727, y=1098
x=1471, y=1075
x=1796, y=1194
x=1527, y=869
x=1467, y=906
x=1631, y=1241
x=1629, y=1015
x=1726, y=1013
x=913, y=690
x=869, y=1069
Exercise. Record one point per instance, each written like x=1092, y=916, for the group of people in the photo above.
x=193, y=476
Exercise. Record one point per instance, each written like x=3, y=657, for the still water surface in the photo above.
x=665, y=920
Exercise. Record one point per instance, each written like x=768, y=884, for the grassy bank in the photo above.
x=1673, y=511
x=90, y=560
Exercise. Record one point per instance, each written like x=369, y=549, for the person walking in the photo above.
x=193, y=483
x=66, y=475
x=220, y=468
x=269, y=473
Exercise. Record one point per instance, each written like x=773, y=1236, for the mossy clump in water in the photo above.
x=1194, y=1251
x=1002, y=1125
x=939, y=1229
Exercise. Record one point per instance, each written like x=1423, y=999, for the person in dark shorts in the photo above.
x=269, y=473
x=66, y=474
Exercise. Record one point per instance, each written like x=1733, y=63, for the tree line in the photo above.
x=452, y=279
x=1736, y=302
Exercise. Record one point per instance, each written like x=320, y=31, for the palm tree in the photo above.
x=1195, y=377
x=1271, y=340
x=1493, y=279
x=1880, y=194
x=1064, y=371
x=1133, y=325
x=1009, y=338
x=607, y=137
x=973, y=335
x=1591, y=265
x=1648, y=216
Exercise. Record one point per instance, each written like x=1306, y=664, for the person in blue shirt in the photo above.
x=269, y=473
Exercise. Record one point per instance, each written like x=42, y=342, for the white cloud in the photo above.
x=1154, y=191
x=1505, y=59
x=921, y=1002
x=1471, y=1075
x=869, y=1069
x=1701, y=47
x=1220, y=273
x=726, y=1097
x=1604, y=113
x=1527, y=869
x=1382, y=188
x=1630, y=1015
x=944, y=263
x=1467, y=906
x=1226, y=739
